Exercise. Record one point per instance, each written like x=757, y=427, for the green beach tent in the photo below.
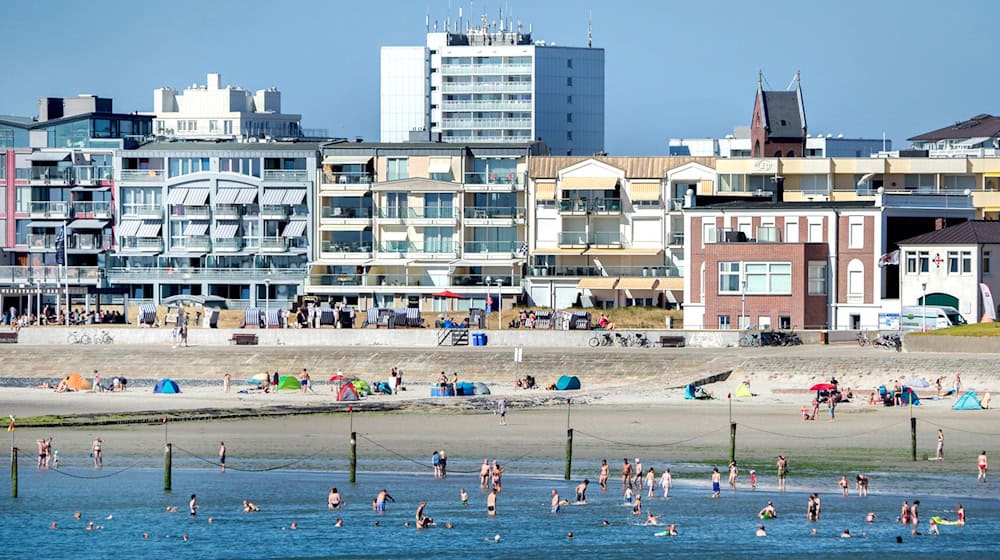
x=362, y=387
x=288, y=383
x=968, y=401
x=743, y=391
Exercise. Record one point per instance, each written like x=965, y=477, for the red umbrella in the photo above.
x=447, y=294
x=823, y=387
x=337, y=378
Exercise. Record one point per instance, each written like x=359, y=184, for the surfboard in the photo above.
x=941, y=521
x=663, y=534
x=766, y=516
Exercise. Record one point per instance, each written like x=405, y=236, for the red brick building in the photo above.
x=778, y=127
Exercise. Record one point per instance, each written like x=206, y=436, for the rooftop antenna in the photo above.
x=590, y=29
x=795, y=81
x=501, y=20
x=760, y=79
x=427, y=22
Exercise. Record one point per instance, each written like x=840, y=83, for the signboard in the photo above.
x=988, y=306
x=888, y=321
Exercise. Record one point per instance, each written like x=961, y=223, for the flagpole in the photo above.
x=65, y=271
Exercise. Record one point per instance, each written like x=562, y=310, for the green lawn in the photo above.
x=975, y=329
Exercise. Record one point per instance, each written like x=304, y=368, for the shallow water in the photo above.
x=709, y=528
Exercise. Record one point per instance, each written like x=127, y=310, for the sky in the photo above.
x=672, y=69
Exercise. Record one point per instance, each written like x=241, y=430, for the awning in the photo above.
x=226, y=196
x=196, y=197
x=226, y=230
x=588, y=183
x=196, y=228
x=149, y=229
x=636, y=284
x=345, y=227
x=294, y=229
x=545, y=191
x=972, y=142
x=346, y=160
x=50, y=156
x=644, y=191
x=623, y=251
x=439, y=165
x=671, y=283
x=45, y=223
x=273, y=196
x=294, y=196
x=128, y=228
x=674, y=296
x=177, y=196
x=90, y=189
x=87, y=224
x=548, y=251
x=598, y=282
x=246, y=196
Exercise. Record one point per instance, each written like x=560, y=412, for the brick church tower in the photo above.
x=778, y=128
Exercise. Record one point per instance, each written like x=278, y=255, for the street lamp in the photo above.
x=499, y=303
x=267, y=300
x=743, y=305
x=923, y=307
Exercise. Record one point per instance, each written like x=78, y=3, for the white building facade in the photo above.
x=493, y=84
x=213, y=112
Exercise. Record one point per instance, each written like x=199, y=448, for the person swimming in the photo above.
x=464, y=496
x=423, y=520
x=768, y=512
x=652, y=519
x=761, y=531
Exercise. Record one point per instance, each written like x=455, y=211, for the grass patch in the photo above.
x=974, y=329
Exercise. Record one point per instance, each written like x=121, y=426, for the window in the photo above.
x=952, y=262
x=724, y=322
x=569, y=117
x=917, y=181
x=814, y=184
x=243, y=166
x=791, y=232
x=856, y=237
x=397, y=168
x=183, y=166
x=192, y=125
x=958, y=182
x=395, y=205
x=569, y=63
x=213, y=126
x=438, y=205
x=784, y=322
x=729, y=277
x=227, y=127
x=986, y=262
x=745, y=224
x=438, y=240
x=924, y=258
x=743, y=322
x=708, y=233
x=569, y=99
x=764, y=322
x=817, y=278
x=569, y=80
x=855, y=282
x=911, y=262
x=569, y=134
x=966, y=262
x=181, y=126
x=815, y=232
x=768, y=278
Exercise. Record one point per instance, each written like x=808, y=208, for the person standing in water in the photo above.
x=555, y=505
x=782, y=465
x=484, y=473
x=666, y=481
x=626, y=474
x=940, y=444
x=95, y=452
x=716, y=480
x=844, y=485
x=491, y=503
x=983, y=466
x=650, y=481
x=581, y=491
x=222, y=456
x=605, y=471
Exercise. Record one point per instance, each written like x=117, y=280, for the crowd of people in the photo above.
x=48, y=316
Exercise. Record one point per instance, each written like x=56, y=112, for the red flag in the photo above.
x=350, y=408
x=164, y=419
x=729, y=396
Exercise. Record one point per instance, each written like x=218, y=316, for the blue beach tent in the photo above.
x=166, y=385
x=909, y=396
x=968, y=401
x=568, y=383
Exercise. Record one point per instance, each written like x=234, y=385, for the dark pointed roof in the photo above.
x=979, y=126
x=783, y=112
x=967, y=233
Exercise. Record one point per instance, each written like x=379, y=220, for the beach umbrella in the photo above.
x=338, y=378
x=254, y=381
x=447, y=294
x=262, y=377
x=823, y=387
x=923, y=383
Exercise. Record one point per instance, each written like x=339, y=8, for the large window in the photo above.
x=708, y=233
x=183, y=166
x=768, y=278
x=958, y=182
x=817, y=278
x=966, y=262
x=919, y=181
x=856, y=234
x=791, y=232
x=911, y=262
x=397, y=168
x=243, y=166
x=438, y=205
x=734, y=182
x=729, y=277
x=986, y=262
x=814, y=184
x=438, y=240
x=855, y=282
x=815, y=232
x=924, y=260
x=395, y=205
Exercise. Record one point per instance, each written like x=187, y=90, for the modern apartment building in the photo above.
x=229, y=221
x=608, y=231
x=400, y=222
x=978, y=136
x=493, y=84
x=213, y=112
x=737, y=145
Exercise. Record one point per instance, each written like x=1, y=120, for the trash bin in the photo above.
x=482, y=339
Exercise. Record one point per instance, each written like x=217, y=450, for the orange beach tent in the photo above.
x=76, y=382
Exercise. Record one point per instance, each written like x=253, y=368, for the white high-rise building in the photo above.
x=215, y=112
x=492, y=83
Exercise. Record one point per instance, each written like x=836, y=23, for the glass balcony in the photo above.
x=483, y=105
x=480, y=69
x=227, y=243
x=573, y=238
x=49, y=175
x=96, y=174
x=580, y=271
x=142, y=175
x=606, y=240
x=395, y=213
x=195, y=243
x=92, y=209
x=581, y=239
x=274, y=211
x=41, y=242
x=143, y=244
x=432, y=247
x=351, y=213
x=88, y=242
x=285, y=175
x=602, y=205
x=346, y=178
x=346, y=247
x=675, y=239
x=191, y=212
x=676, y=204
x=55, y=209
x=478, y=87
x=274, y=244
x=506, y=280
x=503, y=177
x=208, y=274
x=465, y=124
x=152, y=211
x=228, y=211
x=495, y=247
x=337, y=279
x=494, y=212
x=47, y=275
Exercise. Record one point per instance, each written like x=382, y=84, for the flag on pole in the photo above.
x=889, y=259
x=10, y=428
x=61, y=245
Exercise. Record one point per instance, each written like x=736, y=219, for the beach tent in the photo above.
x=481, y=389
x=968, y=401
x=689, y=392
x=743, y=391
x=76, y=382
x=909, y=396
x=568, y=383
x=347, y=393
x=986, y=400
x=362, y=387
x=465, y=388
x=288, y=383
x=166, y=386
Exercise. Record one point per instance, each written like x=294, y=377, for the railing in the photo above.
x=485, y=123
x=191, y=212
x=210, y=274
x=492, y=178
x=346, y=178
x=227, y=243
x=352, y=213
x=520, y=139
x=597, y=205
x=274, y=210
x=94, y=209
x=142, y=211
x=336, y=279
x=55, y=209
x=95, y=173
x=506, y=280
x=194, y=243
x=476, y=87
x=484, y=105
x=494, y=212
x=51, y=174
x=228, y=211
x=345, y=247
x=461, y=69
x=271, y=175
x=411, y=279
x=31, y=275
x=140, y=244
x=300, y=211
x=606, y=240
x=38, y=241
x=676, y=204
x=274, y=244
x=765, y=234
x=675, y=239
x=444, y=247
x=142, y=175
x=506, y=247
x=644, y=271
x=88, y=242
x=573, y=238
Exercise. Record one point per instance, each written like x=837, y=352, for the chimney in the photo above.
x=214, y=81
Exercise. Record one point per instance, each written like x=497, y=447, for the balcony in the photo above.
x=274, y=244
x=508, y=139
x=676, y=204
x=147, y=211
x=765, y=234
x=142, y=175
x=493, y=215
x=194, y=244
x=481, y=69
x=491, y=249
x=93, y=175
x=487, y=181
x=582, y=206
x=506, y=280
x=41, y=242
x=634, y=271
x=428, y=215
x=285, y=175
x=504, y=124
x=51, y=175
x=227, y=244
x=344, y=279
x=88, y=242
x=582, y=239
x=484, y=105
x=274, y=211
x=345, y=180
x=428, y=250
x=228, y=211
x=45, y=275
x=349, y=213
x=55, y=209
x=100, y=210
x=200, y=275
x=675, y=239
x=344, y=248
x=140, y=244
x=190, y=212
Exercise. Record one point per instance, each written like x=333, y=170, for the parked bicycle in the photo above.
x=601, y=339
x=749, y=339
x=863, y=338
x=77, y=337
x=103, y=337
x=634, y=340
x=889, y=342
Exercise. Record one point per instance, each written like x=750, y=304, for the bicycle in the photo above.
x=76, y=337
x=103, y=337
x=749, y=339
x=601, y=339
x=863, y=338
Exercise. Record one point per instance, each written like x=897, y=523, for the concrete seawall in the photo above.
x=962, y=344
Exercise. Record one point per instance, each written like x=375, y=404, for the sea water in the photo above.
x=125, y=504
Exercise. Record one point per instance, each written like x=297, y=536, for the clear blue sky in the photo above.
x=673, y=69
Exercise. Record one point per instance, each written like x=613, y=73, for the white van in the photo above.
x=919, y=317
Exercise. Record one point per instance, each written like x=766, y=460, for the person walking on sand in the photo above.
x=666, y=481
x=96, y=453
x=502, y=410
x=782, y=465
x=222, y=456
x=605, y=471
x=983, y=465
x=716, y=480
x=940, y=444
x=227, y=382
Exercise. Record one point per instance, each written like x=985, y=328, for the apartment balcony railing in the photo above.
x=427, y=213
x=351, y=213
x=285, y=175
x=336, y=279
x=492, y=247
x=140, y=244
x=480, y=69
x=493, y=139
x=210, y=274
x=346, y=178
x=93, y=174
x=274, y=211
x=40, y=242
x=443, y=247
x=603, y=205
x=193, y=243
x=228, y=211
x=494, y=212
x=190, y=212
x=675, y=239
x=274, y=244
x=485, y=123
x=582, y=239
x=53, y=209
x=676, y=204
x=411, y=279
x=151, y=211
x=143, y=175
x=580, y=271
x=476, y=87
x=506, y=280
x=227, y=244
x=345, y=247
x=32, y=275
x=493, y=178
x=88, y=242
x=50, y=175
x=92, y=209
x=484, y=105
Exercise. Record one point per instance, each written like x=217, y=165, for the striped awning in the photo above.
x=87, y=224
x=597, y=282
x=294, y=196
x=196, y=197
x=128, y=228
x=246, y=196
x=273, y=196
x=644, y=191
x=177, y=196
x=226, y=196
x=196, y=228
x=149, y=229
x=588, y=183
x=294, y=229
x=439, y=165
x=226, y=230
x=545, y=191
x=636, y=284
